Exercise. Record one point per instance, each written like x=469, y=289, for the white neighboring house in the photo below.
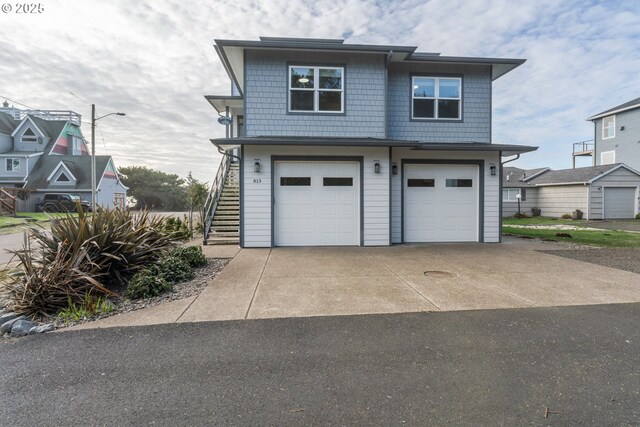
x=600, y=192
x=345, y=144
x=43, y=151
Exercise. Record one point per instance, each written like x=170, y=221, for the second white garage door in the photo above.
x=441, y=203
x=316, y=203
x=619, y=202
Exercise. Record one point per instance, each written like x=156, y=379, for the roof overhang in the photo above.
x=221, y=102
x=226, y=144
x=499, y=66
x=612, y=112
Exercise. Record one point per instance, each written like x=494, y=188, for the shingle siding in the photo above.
x=476, y=105
x=267, y=95
x=626, y=143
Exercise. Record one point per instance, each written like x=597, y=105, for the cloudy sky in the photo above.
x=154, y=61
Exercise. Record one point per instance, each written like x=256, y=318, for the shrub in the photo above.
x=520, y=215
x=146, y=284
x=178, y=228
x=173, y=269
x=192, y=255
x=638, y=216
x=566, y=216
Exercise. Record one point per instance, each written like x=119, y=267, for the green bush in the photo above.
x=91, y=307
x=520, y=215
x=173, y=269
x=178, y=228
x=192, y=255
x=566, y=216
x=147, y=283
x=638, y=216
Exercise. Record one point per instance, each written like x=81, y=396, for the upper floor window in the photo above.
x=77, y=143
x=12, y=165
x=29, y=136
x=609, y=127
x=436, y=98
x=316, y=89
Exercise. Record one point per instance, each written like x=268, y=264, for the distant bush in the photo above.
x=566, y=216
x=173, y=269
x=178, y=228
x=192, y=255
x=520, y=215
x=146, y=284
x=638, y=216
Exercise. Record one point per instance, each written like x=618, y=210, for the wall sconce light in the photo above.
x=622, y=127
x=376, y=166
x=492, y=168
x=394, y=169
x=599, y=188
x=256, y=166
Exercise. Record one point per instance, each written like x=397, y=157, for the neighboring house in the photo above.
x=344, y=144
x=45, y=152
x=600, y=192
x=617, y=135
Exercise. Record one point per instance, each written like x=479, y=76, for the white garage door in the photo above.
x=317, y=203
x=619, y=202
x=440, y=203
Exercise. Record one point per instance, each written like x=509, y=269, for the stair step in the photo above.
x=224, y=234
x=222, y=241
x=226, y=216
x=224, y=230
x=218, y=224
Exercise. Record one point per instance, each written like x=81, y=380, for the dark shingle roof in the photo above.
x=7, y=124
x=51, y=128
x=513, y=177
x=634, y=103
x=577, y=175
x=80, y=167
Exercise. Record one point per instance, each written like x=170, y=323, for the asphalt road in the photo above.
x=500, y=367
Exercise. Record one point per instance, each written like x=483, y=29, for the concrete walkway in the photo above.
x=292, y=282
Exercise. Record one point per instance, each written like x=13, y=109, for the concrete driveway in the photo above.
x=300, y=282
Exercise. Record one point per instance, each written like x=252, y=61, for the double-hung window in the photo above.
x=316, y=89
x=510, y=194
x=609, y=127
x=436, y=98
x=12, y=165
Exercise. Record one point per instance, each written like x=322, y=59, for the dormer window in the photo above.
x=29, y=136
x=436, y=98
x=609, y=127
x=316, y=89
x=63, y=178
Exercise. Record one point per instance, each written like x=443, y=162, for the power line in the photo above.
x=103, y=143
x=16, y=102
x=43, y=75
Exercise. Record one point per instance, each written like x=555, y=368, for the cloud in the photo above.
x=154, y=60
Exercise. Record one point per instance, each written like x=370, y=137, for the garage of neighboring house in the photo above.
x=317, y=203
x=600, y=192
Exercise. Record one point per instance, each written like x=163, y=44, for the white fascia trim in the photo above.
x=39, y=153
x=536, y=174
x=58, y=137
x=56, y=170
x=610, y=113
x=32, y=122
x=621, y=165
x=563, y=183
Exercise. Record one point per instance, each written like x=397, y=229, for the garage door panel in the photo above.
x=331, y=204
x=435, y=211
x=619, y=202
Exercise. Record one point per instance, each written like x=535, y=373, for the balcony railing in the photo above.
x=583, y=148
x=65, y=115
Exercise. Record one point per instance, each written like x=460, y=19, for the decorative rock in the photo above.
x=5, y=317
x=21, y=327
x=41, y=329
x=8, y=325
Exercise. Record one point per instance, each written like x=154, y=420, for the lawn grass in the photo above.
x=604, y=238
x=539, y=220
x=11, y=224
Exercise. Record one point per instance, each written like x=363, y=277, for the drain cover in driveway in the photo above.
x=439, y=273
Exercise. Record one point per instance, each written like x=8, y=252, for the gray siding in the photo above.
x=555, y=201
x=511, y=208
x=106, y=190
x=267, y=92
x=626, y=143
x=29, y=147
x=6, y=143
x=618, y=178
x=476, y=105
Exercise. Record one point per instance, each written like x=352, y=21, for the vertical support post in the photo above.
x=93, y=157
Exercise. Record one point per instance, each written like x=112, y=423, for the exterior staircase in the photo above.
x=222, y=226
x=7, y=202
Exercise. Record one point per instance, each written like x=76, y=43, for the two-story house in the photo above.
x=617, y=135
x=345, y=144
x=44, y=152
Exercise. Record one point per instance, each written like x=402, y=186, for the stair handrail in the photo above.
x=213, y=197
x=11, y=207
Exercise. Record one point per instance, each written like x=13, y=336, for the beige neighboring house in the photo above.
x=600, y=192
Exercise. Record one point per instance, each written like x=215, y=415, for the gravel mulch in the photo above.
x=627, y=259
x=203, y=277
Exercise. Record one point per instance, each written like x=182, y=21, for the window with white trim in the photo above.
x=510, y=194
x=609, y=127
x=77, y=144
x=12, y=165
x=436, y=98
x=608, y=157
x=316, y=89
x=29, y=136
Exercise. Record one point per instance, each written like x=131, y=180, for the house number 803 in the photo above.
x=257, y=180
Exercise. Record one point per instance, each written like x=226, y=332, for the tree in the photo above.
x=196, y=197
x=154, y=189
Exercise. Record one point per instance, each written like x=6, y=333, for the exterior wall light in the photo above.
x=256, y=166
x=492, y=168
x=376, y=166
x=394, y=169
